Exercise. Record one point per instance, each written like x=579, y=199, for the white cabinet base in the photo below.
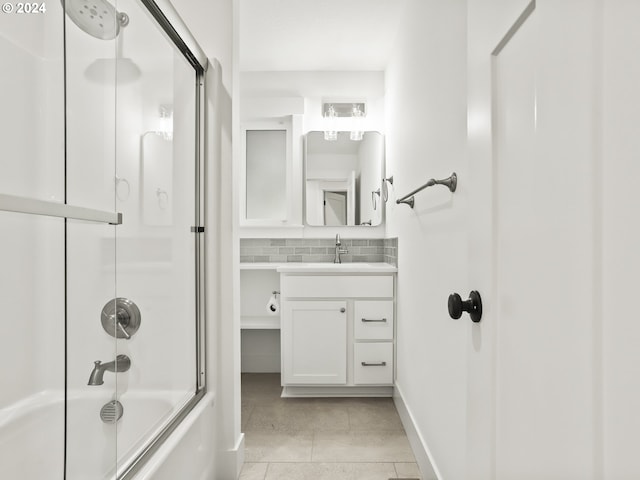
x=326, y=391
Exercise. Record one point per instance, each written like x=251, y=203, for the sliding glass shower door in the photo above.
x=32, y=261
x=100, y=239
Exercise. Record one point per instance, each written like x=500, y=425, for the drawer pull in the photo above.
x=374, y=364
x=369, y=320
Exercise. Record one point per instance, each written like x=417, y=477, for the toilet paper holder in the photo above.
x=273, y=305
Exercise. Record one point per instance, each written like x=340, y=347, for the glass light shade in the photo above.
x=331, y=132
x=166, y=123
x=357, y=129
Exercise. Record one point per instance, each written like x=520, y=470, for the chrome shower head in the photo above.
x=98, y=18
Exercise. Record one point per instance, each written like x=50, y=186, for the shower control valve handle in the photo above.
x=473, y=305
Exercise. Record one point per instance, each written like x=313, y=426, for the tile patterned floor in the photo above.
x=320, y=438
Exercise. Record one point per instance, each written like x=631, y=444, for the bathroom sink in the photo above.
x=356, y=267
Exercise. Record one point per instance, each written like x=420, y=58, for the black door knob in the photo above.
x=473, y=306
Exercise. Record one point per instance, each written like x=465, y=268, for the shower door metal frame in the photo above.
x=172, y=25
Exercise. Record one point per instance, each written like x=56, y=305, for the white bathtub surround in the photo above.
x=34, y=429
x=188, y=453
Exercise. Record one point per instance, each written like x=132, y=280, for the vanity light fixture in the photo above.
x=165, y=125
x=356, y=111
x=357, y=129
x=331, y=132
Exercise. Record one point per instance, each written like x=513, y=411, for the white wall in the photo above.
x=556, y=397
x=32, y=165
x=621, y=237
x=426, y=138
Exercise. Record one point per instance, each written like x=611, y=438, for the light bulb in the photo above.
x=331, y=132
x=357, y=130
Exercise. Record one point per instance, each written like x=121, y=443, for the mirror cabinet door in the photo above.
x=266, y=175
x=343, y=179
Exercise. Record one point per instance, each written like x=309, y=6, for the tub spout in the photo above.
x=122, y=363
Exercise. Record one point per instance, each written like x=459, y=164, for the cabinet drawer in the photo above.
x=373, y=364
x=337, y=286
x=373, y=320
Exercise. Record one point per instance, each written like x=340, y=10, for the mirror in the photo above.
x=343, y=179
x=266, y=174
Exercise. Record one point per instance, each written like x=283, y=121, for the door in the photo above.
x=314, y=342
x=335, y=208
x=537, y=337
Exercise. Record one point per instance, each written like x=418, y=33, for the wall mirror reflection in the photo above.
x=343, y=179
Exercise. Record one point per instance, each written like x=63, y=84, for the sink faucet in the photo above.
x=339, y=250
x=122, y=363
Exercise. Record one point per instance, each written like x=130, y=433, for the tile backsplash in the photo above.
x=318, y=250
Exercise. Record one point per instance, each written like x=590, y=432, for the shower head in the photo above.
x=98, y=18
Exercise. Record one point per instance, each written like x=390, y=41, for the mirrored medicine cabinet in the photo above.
x=343, y=180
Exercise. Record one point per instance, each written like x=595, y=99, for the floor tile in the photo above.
x=253, y=471
x=260, y=387
x=361, y=447
x=330, y=471
x=278, y=447
x=408, y=470
x=380, y=414
x=300, y=416
x=246, y=410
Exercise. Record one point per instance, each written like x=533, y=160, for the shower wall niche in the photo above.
x=101, y=112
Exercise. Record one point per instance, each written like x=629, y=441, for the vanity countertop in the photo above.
x=324, y=267
x=355, y=267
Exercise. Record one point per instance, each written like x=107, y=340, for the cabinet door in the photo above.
x=314, y=343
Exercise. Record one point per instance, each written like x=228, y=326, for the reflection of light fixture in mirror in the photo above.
x=357, y=129
x=331, y=132
x=165, y=129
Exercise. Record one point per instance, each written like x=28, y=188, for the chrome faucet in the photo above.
x=122, y=363
x=339, y=250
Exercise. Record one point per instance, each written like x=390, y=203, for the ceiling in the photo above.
x=317, y=35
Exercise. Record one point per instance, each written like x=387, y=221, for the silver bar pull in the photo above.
x=12, y=203
x=374, y=364
x=369, y=320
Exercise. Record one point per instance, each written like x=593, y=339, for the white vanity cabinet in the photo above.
x=338, y=332
x=316, y=348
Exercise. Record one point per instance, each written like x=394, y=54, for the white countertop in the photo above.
x=324, y=267
x=355, y=267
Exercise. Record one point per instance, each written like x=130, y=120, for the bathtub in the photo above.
x=32, y=434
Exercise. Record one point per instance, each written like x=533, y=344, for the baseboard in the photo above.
x=231, y=461
x=420, y=449
x=335, y=391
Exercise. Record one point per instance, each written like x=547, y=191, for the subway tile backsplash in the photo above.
x=318, y=250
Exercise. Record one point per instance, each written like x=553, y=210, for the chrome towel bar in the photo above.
x=451, y=183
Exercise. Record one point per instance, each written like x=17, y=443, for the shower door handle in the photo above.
x=34, y=206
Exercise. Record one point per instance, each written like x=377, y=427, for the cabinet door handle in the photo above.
x=342, y=310
x=369, y=320
x=374, y=364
